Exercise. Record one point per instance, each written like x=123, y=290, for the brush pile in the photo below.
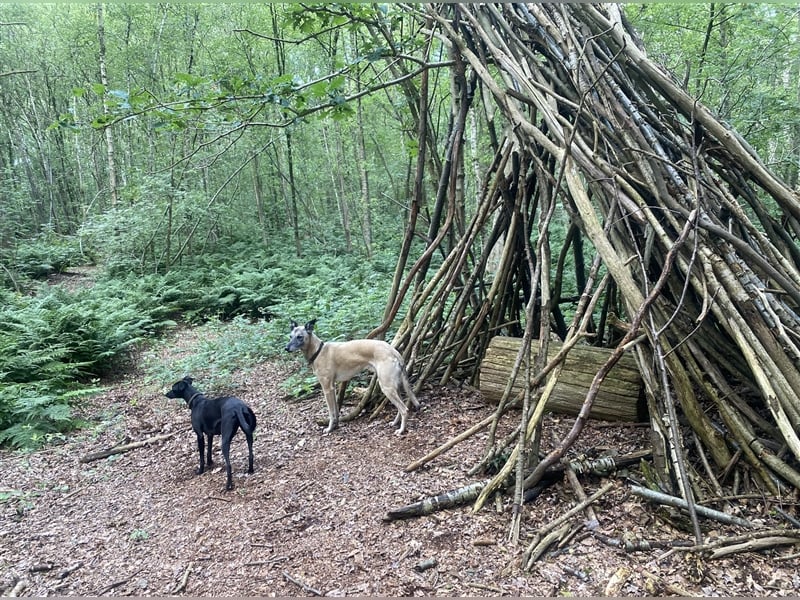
x=693, y=239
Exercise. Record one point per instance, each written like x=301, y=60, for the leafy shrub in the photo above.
x=241, y=302
x=346, y=294
x=53, y=342
x=33, y=415
x=44, y=255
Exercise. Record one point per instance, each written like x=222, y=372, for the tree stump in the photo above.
x=621, y=396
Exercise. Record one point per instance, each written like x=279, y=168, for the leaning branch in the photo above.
x=125, y=448
x=681, y=503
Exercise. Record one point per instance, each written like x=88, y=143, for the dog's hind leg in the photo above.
x=226, y=454
x=247, y=421
x=389, y=389
x=249, y=437
x=409, y=390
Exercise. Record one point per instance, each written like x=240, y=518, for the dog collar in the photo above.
x=316, y=354
x=193, y=397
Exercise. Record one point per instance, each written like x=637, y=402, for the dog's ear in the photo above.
x=187, y=380
x=310, y=325
x=293, y=324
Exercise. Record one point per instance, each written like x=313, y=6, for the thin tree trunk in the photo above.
x=111, y=167
x=363, y=176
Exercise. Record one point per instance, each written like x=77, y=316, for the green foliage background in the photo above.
x=243, y=196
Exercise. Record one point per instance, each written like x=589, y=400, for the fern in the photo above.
x=34, y=415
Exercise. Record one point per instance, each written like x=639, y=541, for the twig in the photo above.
x=71, y=494
x=18, y=588
x=125, y=447
x=751, y=545
x=449, y=444
x=283, y=516
x=111, y=586
x=543, y=544
x=616, y=581
x=301, y=585
x=426, y=564
x=591, y=516
x=488, y=588
x=182, y=585
x=681, y=503
x=271, y=562
x=575, y=509
x=629, y=545
x=545, y=529
x=672, y=588
x=70, y=570
x=788, y=517
x=737, y=539
x=427, y=506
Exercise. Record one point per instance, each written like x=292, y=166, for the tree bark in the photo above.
x=111, y=166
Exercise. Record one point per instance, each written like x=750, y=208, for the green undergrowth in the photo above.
x=58, y=345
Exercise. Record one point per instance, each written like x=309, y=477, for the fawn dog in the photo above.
x=341, y=361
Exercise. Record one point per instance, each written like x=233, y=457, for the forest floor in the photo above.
x=310, y=520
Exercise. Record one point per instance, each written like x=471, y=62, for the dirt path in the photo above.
x=310, y=519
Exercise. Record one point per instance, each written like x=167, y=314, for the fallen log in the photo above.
x=621, y=396
x=124, y=448
x=468, y=493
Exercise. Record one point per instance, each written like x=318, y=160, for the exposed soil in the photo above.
x=310, y=519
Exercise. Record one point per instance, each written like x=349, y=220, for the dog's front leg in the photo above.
x=329, y=391
x=209, y=460
x=200, y=451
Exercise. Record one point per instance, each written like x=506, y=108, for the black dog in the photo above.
x=216, y=416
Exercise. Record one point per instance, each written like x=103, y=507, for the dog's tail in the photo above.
x=409, y=390
x=247, y=418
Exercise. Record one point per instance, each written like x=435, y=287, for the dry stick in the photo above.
x=301, y=585
x=535, y=271
x=468, y=493
x=427, y=506
x=545, y=529
x=18, y=588
x=673, y=431
x=271, y=562
x=70, y=570
x=745, y=537
x=449, y=444
x=111, y=586
x=184, y=580
x=629, y=337
x=672, y=588
x=398, y=292
x=754, y=545
x=580, y=494
x=681, y=503
x=542, y=545
x=124, y=448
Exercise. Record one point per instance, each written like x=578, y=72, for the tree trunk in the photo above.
x=363, y=176
x=111, y=167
